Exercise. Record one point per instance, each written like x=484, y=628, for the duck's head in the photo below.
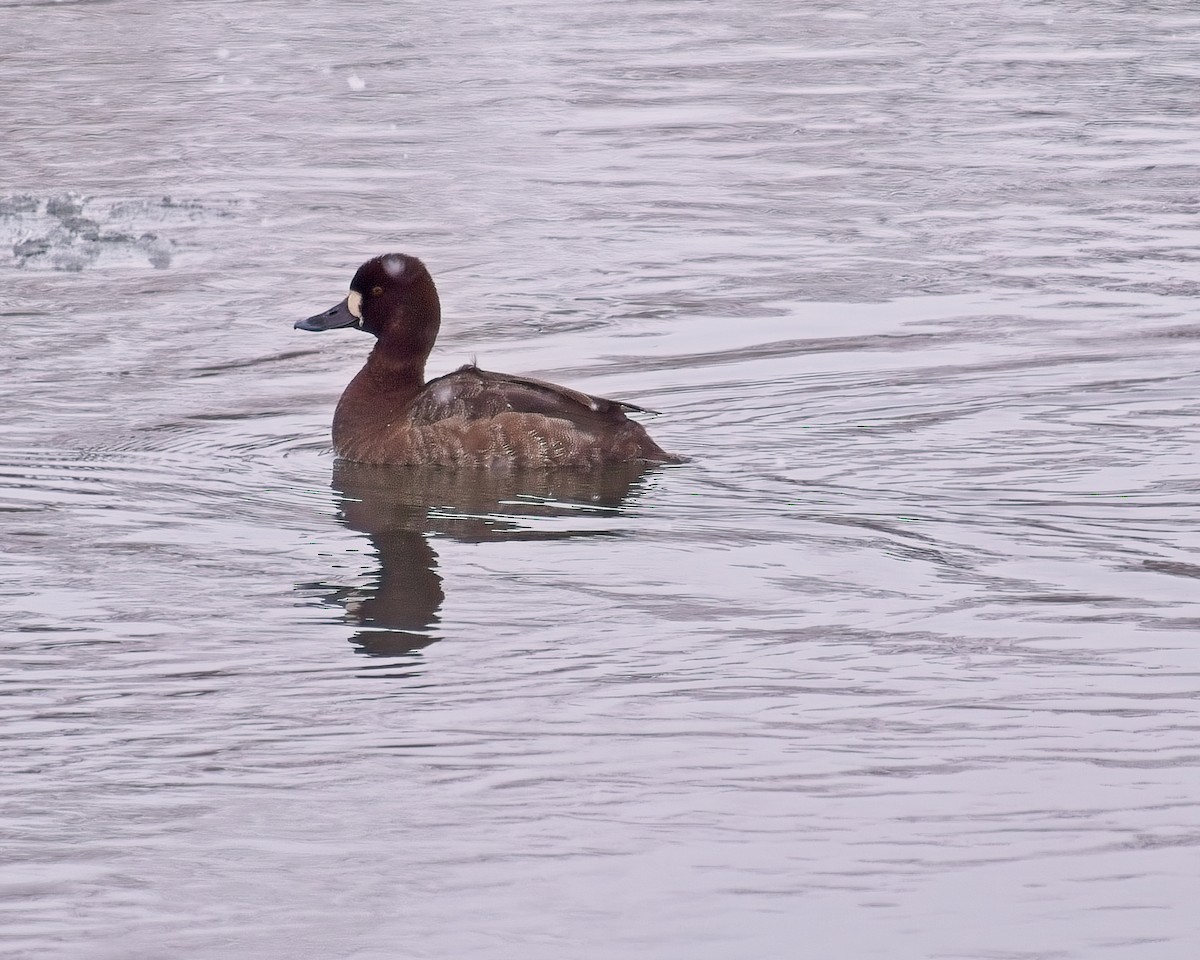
x=391, y=297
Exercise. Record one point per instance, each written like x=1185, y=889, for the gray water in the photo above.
x=903, y=664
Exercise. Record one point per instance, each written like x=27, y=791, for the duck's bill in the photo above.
x=331, y=319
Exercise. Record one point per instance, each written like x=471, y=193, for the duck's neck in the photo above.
x=386, y=374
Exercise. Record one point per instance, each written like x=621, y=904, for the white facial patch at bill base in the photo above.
x=354, y=304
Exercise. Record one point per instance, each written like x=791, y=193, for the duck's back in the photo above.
x=473, y=417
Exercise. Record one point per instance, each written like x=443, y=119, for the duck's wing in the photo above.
x=478, y=394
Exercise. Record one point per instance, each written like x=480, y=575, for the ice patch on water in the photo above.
x=73, y=232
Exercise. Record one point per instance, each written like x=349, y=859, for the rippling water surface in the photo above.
x=903, y=663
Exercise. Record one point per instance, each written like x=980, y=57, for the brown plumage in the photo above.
x=389, y=414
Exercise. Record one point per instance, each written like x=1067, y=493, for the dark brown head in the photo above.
x=393, y=298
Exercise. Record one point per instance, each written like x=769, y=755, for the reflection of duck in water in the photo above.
x=468, y=418
x=398, y=508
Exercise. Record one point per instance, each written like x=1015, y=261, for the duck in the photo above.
x=389, y=414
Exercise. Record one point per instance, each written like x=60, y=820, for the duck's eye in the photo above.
x=376, y=291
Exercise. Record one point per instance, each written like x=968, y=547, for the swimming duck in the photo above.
x=471, y=417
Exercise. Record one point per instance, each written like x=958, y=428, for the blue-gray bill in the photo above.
x=331, y=319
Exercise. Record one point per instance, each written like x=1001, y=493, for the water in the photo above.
x=901, y=665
